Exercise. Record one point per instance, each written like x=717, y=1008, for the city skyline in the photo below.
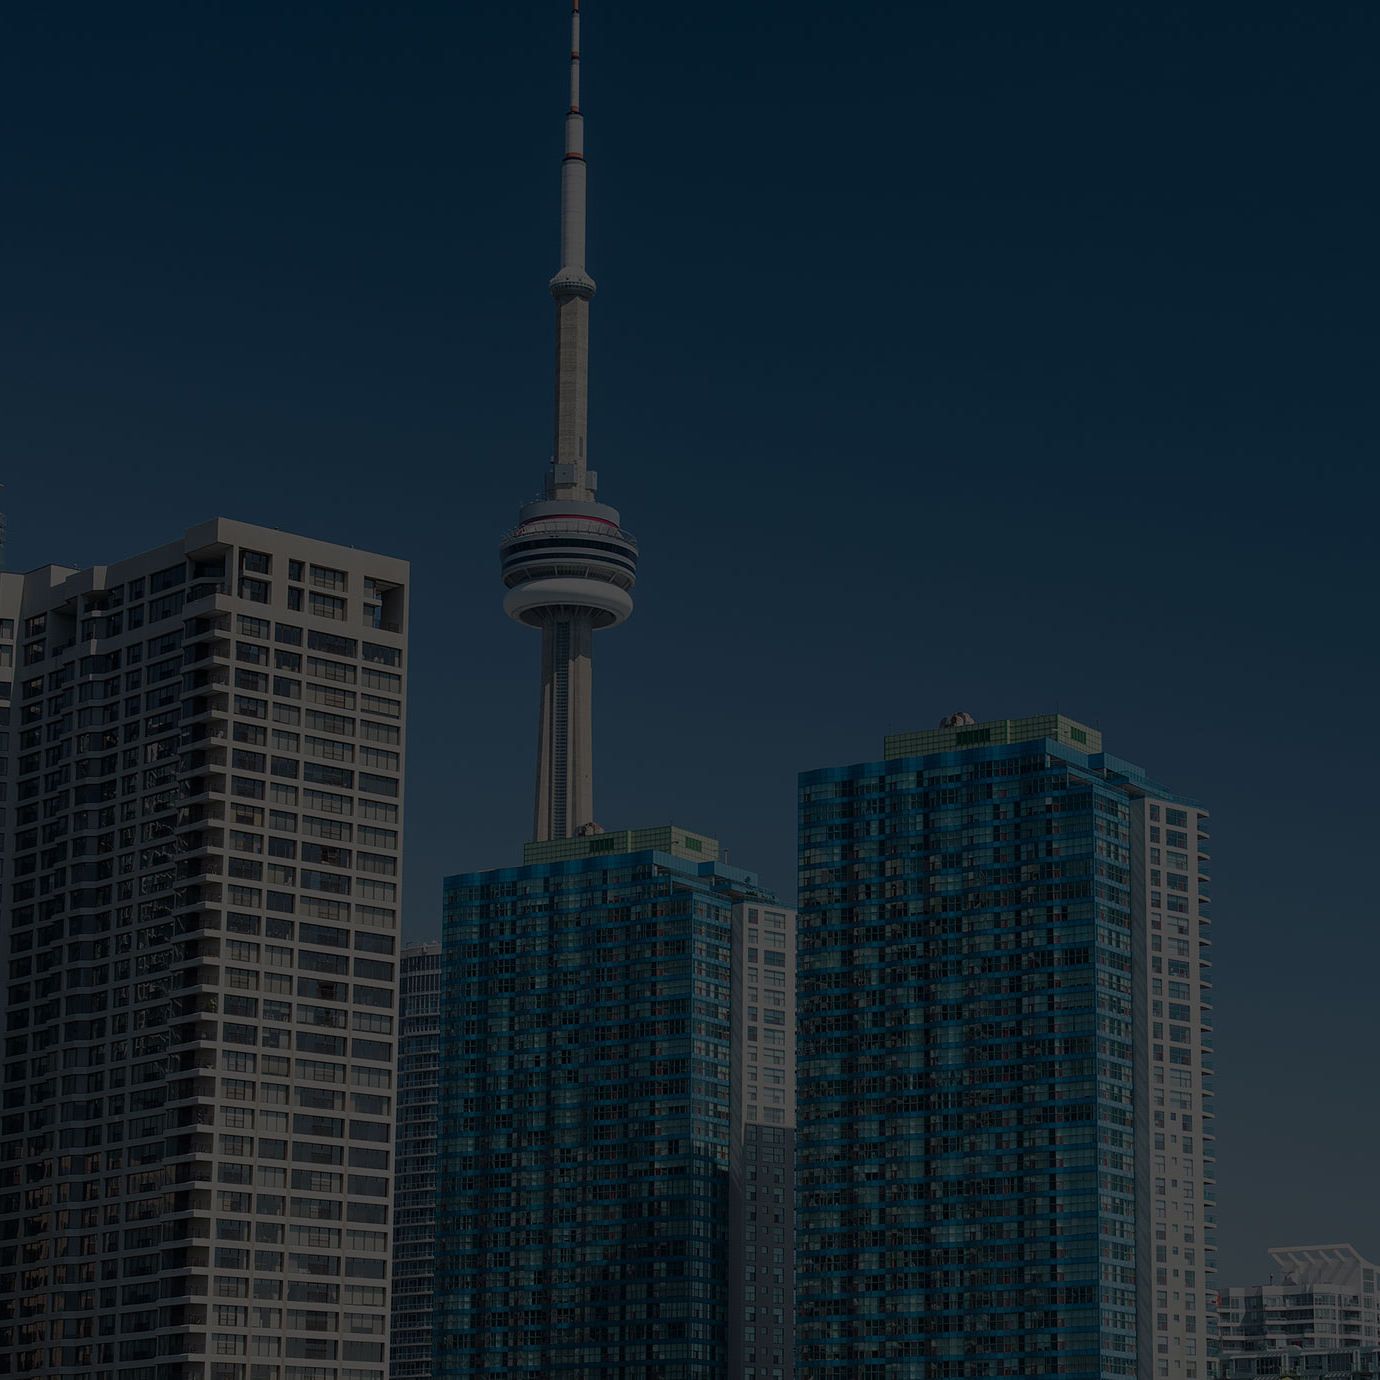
x=195, y=322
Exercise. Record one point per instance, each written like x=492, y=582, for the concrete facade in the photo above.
x=202, y=831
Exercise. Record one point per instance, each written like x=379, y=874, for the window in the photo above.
x=330, y=723
x=324, y=577
x=165, y=607
x=166, y=579
x=331, y=749
x=330, y=670
x=322, y=775
x=330, y=882
x=380, y=680
x=332, y=643
x=326, y=606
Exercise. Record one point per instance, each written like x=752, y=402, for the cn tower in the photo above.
x=568, y=565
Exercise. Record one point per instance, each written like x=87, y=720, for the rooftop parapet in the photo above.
x=666, y=838
x=998, y=732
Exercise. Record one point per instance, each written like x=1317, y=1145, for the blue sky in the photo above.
x=944, y=357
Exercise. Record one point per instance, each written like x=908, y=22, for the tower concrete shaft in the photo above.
x=565, y=731
x=568, y=565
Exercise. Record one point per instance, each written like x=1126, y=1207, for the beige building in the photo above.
x=203, y=828
x=761, y=1222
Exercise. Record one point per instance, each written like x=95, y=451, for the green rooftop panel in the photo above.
x=666, y=838
x=998, y=731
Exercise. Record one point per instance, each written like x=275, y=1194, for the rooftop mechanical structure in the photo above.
x=568, y=565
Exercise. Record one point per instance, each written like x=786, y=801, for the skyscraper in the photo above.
x=203, y=801
x=609, y=1103
x=1005, y=1150
x=414, y=1169
x=568, y=565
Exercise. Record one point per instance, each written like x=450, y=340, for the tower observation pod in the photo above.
x=568, y=565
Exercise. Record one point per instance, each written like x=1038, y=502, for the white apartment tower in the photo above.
x=202, y=831
x=1175, y=1146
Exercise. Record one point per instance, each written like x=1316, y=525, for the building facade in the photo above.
x=1320, y=1299
x=591, y=1103
x=202, y=827
x=414, y=1170
x=1299, y=1363
x=761, y=1217
x=999, y=1131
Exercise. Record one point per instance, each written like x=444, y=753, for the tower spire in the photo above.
x=568, y=564
x=572, y=287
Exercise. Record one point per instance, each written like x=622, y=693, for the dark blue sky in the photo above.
x=994, y=357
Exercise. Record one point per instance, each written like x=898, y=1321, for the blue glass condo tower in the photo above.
x=989, y=918
x=585, y=1112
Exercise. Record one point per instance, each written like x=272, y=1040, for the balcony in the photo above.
x=199, y=629
x=214, y=651
x=197, y=922
x=198, y=841
x=191, y=1143
x=190, y=1089
x=207, y=589
x=200, y=788
x=205, y=678
x=190, y=869
x=199, y=760
x=190, y=981
x=203, y=707
x=208, y=733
